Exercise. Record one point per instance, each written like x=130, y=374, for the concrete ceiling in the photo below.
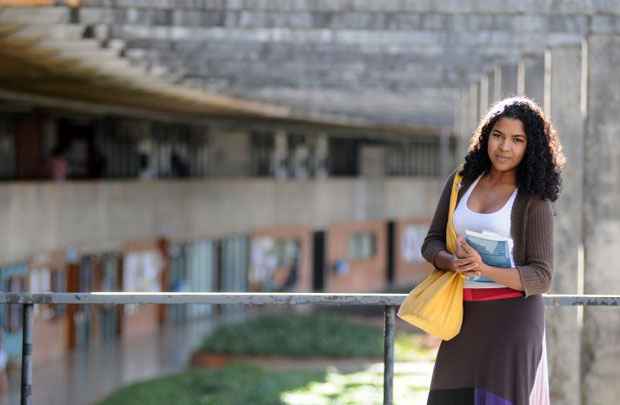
x=396, y=63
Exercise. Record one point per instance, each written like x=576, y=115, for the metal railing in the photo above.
x=389, y=301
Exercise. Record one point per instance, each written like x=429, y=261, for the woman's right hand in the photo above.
x=452, y=263
x=448, y=261
x=453, y=266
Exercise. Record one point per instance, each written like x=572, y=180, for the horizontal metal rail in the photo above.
x=259, y=298
x=390, y=302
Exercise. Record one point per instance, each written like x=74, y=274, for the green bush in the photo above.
x=297, y=335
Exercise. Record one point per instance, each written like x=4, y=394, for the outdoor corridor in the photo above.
x=88, y=375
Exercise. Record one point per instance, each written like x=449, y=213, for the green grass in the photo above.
x=295, y=335
x=362, y=387
x=236, y=384
x=243, y=384
x=409, y=347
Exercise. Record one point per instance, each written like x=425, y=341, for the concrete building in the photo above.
x=324, y=126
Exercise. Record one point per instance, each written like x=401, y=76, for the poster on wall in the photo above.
x=411, y=243
x=141, y=274
x=40, y=282
x=274, y=264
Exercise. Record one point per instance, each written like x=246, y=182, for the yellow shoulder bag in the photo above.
x=436, y=304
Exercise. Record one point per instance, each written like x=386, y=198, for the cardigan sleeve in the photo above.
x=435, y=240
x=536, y=272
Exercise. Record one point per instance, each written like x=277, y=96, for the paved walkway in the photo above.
x=87, y=376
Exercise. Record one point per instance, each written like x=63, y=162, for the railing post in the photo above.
x=388, y=350
x=26, y=383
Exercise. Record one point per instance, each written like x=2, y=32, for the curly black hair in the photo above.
x=539, y=171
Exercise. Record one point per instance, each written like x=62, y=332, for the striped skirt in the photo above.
x=498, y=358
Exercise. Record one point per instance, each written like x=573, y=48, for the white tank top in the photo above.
x=497, y=222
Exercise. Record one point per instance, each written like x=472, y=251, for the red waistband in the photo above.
x=489, y=294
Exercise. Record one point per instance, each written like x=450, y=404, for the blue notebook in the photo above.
x=494, y=250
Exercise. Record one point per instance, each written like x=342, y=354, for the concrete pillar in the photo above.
x=505, y=80
x=200, y=150
x=7, y=147
x=563, y=105
x=141, y=131
x=301, y=159
x=372, y=183
x=531, y=77
x=372, y=161
x=601, y=352
x=280, y=155
x=29, y=151
x=321, y=156
x=231, y=153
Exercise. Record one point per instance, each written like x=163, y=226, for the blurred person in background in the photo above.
x=58, y=166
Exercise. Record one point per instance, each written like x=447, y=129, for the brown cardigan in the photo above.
x=532, y=232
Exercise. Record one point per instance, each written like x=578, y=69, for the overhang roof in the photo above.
x=41, y=71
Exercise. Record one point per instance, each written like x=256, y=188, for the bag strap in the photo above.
x=450, y=229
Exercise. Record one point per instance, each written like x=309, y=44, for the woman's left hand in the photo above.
x=471, y=264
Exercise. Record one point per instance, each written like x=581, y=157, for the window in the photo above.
x=287, y=251
x=7, y=148
x=12, y=313
x=362, y=245
x=263, y=147
x=411, y=242
x=58, y=284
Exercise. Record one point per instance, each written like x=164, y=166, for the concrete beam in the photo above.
x=44, y=16
x=389, y=6
x=396, y=41
x=100, y=54
x=72, y=45
x=349, y=75
x=379, y=18
x=425, y=106
x=69, y=32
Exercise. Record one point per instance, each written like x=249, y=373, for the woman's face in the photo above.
x=507, y=143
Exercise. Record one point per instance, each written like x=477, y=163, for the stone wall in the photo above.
x=96, y=216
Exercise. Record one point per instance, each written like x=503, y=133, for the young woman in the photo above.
x=510, y=176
